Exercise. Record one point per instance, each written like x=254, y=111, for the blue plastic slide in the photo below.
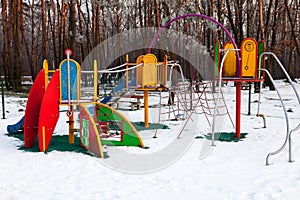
x=16, y=127
x=118, y=88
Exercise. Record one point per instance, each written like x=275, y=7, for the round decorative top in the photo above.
x=68, y=52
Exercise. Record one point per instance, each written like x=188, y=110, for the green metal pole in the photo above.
x=3, y=105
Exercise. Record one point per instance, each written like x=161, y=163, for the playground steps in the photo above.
x=103, y=129
x=32, y=112
x=42, y=111
x=49, y=112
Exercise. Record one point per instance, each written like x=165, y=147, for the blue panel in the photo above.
x=73, y=80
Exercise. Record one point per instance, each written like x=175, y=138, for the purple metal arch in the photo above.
x=201, y=16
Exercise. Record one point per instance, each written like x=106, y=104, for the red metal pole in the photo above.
x=238, y=109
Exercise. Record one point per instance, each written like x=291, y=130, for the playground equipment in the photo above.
x=245, y=70
x=288, y=138
x=14, y=128
x=239, y=71
x=238, y=65
x=96, y=119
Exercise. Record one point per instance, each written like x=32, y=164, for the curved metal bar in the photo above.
x=171, y=72
x=286, y=119
x=283, y=69
x=290, y=142
x=218, y=95
x=203, y=17
x=295, y=91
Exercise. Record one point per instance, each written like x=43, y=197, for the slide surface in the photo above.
x=14, y=128
x=119, y=88
x=32, y=111
x=49, y=112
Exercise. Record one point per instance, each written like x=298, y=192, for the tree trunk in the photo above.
x=261, y=20
x=33, y=57
x=157, y=14
x=294, y=36
x=63, y=30
x=82, y=52
x=5, y=42
x=72, y=27
x=44, y=50
x=17, y=50
x=140, y=13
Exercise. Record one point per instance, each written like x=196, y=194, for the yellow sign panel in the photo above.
x=249, y=57
x=229, y=69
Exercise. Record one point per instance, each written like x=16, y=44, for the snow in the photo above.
x=231, y=170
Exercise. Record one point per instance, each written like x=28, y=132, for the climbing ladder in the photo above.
x=191, y=98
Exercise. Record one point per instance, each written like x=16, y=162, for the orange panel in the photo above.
x=249, y=57
x=229, y=69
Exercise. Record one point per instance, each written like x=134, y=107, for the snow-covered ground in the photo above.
x=232, y=170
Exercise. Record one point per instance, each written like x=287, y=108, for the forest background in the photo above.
x=34, y=30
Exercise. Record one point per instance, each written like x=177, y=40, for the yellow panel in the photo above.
x=139, y=70
x=149, y=75
x=149, y=71
x=229, y=69
x=249, y=57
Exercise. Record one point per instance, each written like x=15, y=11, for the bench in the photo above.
x=133, y=104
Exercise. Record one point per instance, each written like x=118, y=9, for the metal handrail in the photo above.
x=283, y=69
x=286, y=119
x=290, y=142
x=295, y=91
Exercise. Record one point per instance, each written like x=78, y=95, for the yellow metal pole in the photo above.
x=71, y=126
x=95, y=80
x=44, y=142
x=45, y=67
x=127, y=61
x=146, y=111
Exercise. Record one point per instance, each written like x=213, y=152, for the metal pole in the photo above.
x=3, y=104
x=146, y=107
x=69, y=84
x=249, y=100
x=191, y=94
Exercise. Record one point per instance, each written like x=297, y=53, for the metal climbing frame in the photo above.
x=189, y=97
